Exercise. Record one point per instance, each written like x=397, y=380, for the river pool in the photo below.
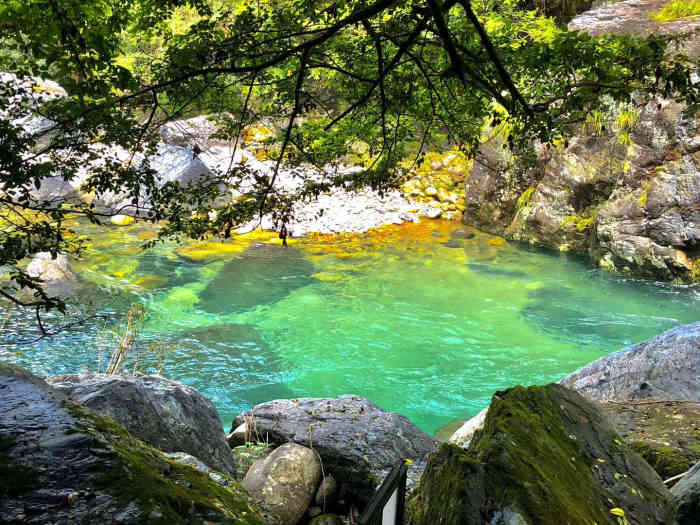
x=426, y=319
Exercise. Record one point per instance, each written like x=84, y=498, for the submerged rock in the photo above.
x=285, y=481
x=669, y=363
x=263, y=274
x=358, y=442
x=545, y=455
x=687, y=493
x=165, y=414
x=62, y=463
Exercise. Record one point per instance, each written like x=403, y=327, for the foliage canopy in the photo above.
x=399, y=76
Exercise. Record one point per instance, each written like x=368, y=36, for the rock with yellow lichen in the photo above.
x=439, y=179
x=121, y=220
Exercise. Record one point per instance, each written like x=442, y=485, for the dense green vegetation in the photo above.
x=676, y=9
x=394, y=77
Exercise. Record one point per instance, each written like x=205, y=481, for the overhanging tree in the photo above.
x=400, y=76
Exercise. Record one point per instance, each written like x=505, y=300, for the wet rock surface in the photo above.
x=545, y=455
x=358, y=442
x=669, y=364
x=62, y=463
x=165, y=414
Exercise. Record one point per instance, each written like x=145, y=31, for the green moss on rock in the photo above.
x=667, y=461
x=524, y=199
x=546, y=455
x=166, y=491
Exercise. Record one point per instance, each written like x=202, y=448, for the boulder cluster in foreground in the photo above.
x=108, y=449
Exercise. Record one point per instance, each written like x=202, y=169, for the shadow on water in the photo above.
x=263, y=274
x=490, y=269
x=242, y=369
x=599, y=316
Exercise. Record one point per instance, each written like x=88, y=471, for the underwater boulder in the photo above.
x=545, y=455
x=263, y=274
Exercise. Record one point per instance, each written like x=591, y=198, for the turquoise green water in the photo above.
x=419, y=319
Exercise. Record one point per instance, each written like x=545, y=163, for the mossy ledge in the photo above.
x=166, y=491
x=547, y=456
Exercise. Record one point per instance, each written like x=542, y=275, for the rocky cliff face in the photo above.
x=625, y=191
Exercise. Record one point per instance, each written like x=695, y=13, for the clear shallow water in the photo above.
x=417, y=318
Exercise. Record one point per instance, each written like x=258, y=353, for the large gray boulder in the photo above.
x=62, y=463
x=687, y=493
x=545, y=455
x=285, y=481
x=358, y=441
x=168, y=415
x=667, y=366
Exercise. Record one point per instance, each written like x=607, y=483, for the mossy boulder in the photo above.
x=165, y=414
x=665, y=433
x=545, y=455
x=63, y=463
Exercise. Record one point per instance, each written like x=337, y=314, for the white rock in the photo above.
x=45, y=267
x=463, y=435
